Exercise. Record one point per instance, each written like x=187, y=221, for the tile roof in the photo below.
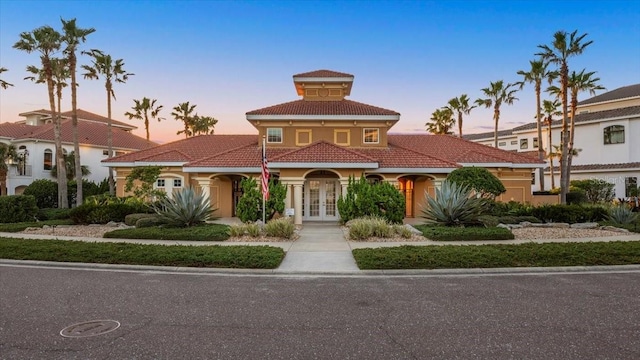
x=83, y=115
x=322, y=73
x=591, y=116
x=399, y=157
x=13, y=130
x=587, y=167
x=338, y=107
x=617, y=94
x=323, y=152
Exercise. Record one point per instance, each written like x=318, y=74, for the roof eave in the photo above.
x=324, y=117
x=505, y=165
x=324, y=165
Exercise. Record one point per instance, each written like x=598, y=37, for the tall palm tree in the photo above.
x=563, y=47
x=112, y=71
x=184, y=112
x=495, y=95
x=4, y=84
x=70, y=167
x=441, y=122
x=7, y=153
x=143, y=109
x=536, y=75
x=579, y=82
x=557, y=153
x=72, y=37
x=460, y=105
x=550, y=109
x=47, y=41
x=204, y=125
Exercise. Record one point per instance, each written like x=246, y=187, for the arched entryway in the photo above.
x=320, y=194
x=413, y=188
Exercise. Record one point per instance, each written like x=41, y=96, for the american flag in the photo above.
x=265, y=173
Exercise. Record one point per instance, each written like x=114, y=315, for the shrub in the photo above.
x=403, y=231
x=380, y=227
x=371, y=226
x=151, y=221
x=187, y=207
x=253, y=230
x=141, y=181
x=453, y=205
x=249, y=206
x=45, y=193
x=576, y=196
x=445, y=233
x=622, y=214
x=479, y=180
x=237, y=230
x=365, y=199
x=204, y=232
x=102, y=214
x=595, y=190
x=53, y=214
x=360, y=229
x=281, y=228
x=132, y=219
x=569, y=213
x=18, y=208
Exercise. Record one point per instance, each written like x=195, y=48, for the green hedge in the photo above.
x=494, y=256
x=90, y=213
x=256, y=257
x=53, y=214
x=17, y=227
x=18, y=208
x=207, y=232
x=446, y=233
x=569, y=213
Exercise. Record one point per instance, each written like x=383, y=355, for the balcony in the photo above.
x=20, y=170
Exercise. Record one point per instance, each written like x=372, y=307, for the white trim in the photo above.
x=364, y=136
x=207, y=169
x=579, y=107
x=594, y=121
x=281, y=135
x=413, y=171
x=323, y=117
x=323, y=79
x=295, y=165
x=610, y=170
x=504, y=165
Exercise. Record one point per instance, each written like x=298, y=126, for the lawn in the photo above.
x=449, y=233
x=17, y=227
x=207, y=232
x=493, y=256
x=254, y=257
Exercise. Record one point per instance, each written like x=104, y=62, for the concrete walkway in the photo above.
x=321, y=248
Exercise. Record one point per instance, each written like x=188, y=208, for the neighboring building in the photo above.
x=33, y=139
x=314, y=145
x=607, y=130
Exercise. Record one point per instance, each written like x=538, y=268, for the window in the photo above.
x=160, y=183
x=533, y=178
x=614, y=134
x=524, y=144
x=502, y=143
x=48, y=159
x=514, y=142
x=177, y=183
x=105, y=152
x=274, y=135
x=631, y=186
x=535, y=142
x=371, y=136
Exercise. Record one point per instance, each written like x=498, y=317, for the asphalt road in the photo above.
x=181, y=316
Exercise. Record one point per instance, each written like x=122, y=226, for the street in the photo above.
x=213, y=316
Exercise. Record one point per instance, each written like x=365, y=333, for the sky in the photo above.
x=231, y=57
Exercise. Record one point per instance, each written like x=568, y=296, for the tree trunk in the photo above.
x=496, y=117
x=112, y=185
x=564, y=185
x=63, y=201
x=74, y=122
x=540, y=147
x=550, y=147
x=553, y=181
x=146, y=123
x=3, y=182
x=459, y=123
x=572, y=132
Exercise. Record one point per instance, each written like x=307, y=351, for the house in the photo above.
x=314, y=144
x=607, y=133
x=33, y=139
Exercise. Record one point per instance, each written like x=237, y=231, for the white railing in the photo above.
x=20, y=170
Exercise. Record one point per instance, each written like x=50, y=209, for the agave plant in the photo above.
x=187, y=207
x=622, y=214
x=453, y=205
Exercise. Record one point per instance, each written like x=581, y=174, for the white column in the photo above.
x=205, y=187
x=287, y=198
x=344, y=183
x=297, y=203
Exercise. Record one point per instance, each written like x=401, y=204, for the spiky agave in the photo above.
x=187, y=207
x=453, y=205
x=622, y=214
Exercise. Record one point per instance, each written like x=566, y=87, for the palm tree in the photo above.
x=550, y=109
x=103, y=64
x=442, y=122
x=536, y=75
x=4, y=84
x=72, y=37
x=184, y=112
x=143, y=109
x=7, y=153
x=557, y=153
x=47, y=41
x=460, y=105
x=70, y=167
x=204, y=125
x=563, y=47
x=497, y=94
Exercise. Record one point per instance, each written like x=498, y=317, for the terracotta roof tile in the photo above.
x=617, y=94
x=323, y=152
x=338, y=107
x=322, y=73
x=170, y=155
x=399, y=157
x=13, y=130
x=84, y=115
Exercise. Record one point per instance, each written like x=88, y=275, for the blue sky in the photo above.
x=233, y=57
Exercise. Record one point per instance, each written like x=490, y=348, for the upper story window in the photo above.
x=105, y=152
x=514, y=142
x=614, y=134
x=48, y=159
x=502, y=143
x=535, y=142
x=524, y=144
x=160, y=183
x=274, y=135
x=371, y=136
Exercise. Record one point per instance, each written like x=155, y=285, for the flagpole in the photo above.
x=264, y=200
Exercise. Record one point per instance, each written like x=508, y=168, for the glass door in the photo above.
x=320, y=200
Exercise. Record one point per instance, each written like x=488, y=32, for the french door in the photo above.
x=321, y=200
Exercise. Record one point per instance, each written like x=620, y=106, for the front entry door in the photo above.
x=321, y=200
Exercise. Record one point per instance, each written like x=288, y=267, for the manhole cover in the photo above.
x=90, y=328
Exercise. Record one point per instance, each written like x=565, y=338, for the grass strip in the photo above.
x=633, y=227
x=253, y=257
x=446, y=233
x=21, y=226
x=207, y=232
x=493, y=256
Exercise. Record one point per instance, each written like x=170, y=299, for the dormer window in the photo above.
x=371, y=136
x=274, y=135
x=614, y=134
